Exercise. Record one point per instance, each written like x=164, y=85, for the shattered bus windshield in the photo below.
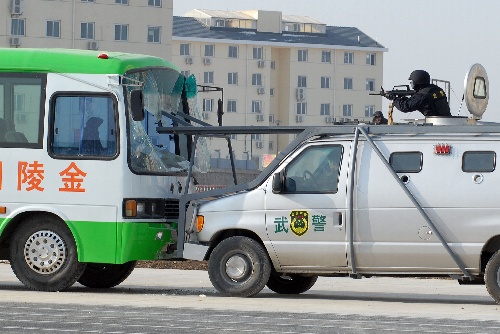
x=149, y=151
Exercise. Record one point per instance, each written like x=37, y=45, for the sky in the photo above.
x=443, y=37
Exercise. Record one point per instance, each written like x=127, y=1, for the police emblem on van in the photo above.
x=299, y=222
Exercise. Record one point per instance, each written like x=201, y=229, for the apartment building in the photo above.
x=137, y=26
x=277, y=69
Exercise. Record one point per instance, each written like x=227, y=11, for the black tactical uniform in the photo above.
x=429, y=99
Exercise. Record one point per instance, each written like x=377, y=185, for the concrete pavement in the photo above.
x=396, y=297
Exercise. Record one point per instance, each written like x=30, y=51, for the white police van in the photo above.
x=404, y=200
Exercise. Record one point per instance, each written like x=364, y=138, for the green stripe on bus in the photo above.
x=107, y=242
x=75, y=61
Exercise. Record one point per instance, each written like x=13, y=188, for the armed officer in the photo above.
x=429, y=99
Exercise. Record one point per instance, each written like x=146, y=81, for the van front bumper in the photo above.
x=194, y=251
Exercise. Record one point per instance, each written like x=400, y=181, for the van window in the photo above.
x=406, y=162
x=315, y=170
x=84, y=126
x=22, y=99
x=479, y=161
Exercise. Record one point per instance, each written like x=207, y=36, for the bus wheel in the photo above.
x=43, y=254
x=290, y=284
x=492, y=277
x=239, y=267
x=103, y=276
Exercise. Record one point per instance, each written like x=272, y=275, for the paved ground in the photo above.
x=188, y=288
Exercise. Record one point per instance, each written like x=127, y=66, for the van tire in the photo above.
x=43, y=254
x=239, y=267
x=104, y=276
x=492, y=277
x=290, y=284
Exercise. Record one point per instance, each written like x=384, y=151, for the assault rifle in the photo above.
x=395, y=92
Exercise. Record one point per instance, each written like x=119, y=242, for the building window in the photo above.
x=186, y=73
x=256, y=107
x=208, y=105
x=301, y=108
x=208, y=77
x=184, y=51
x=17, y=27
x=87, y=30
x=325, y=82
x=302, y=55
x=231, y=105
x=325, y=109
x=256, y=79
x=88, y=0
x=53, y=29
x=348, y=57
x=347, y=110
x=153, y=34
x=256, y=136
x=273, y=64
x=326, y=56
x=258, y=53
x=209, y=50
x=347, y=83
x=121, y=2
x=369, y=110
x=302, y=81
x=370, y=85
x=370, y=58
x=232, y=51
x=233, y=136
x=121, y=32
x=154, y=3
x=232, y=78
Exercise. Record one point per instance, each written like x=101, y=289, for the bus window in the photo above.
x=20, y=109
x=84, y=126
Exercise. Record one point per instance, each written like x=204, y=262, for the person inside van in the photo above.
x=327, y=174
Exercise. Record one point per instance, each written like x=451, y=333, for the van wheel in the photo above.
x=492, y=277
x=239, y=267
x=43, y=254
x=103, y=276
x=290, y=284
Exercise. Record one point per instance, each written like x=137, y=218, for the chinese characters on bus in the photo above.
x=31, y=175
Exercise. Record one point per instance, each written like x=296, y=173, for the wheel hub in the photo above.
x=45, y=252
x=237, y=267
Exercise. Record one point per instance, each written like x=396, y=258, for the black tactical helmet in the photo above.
x=378, y=114
x=420, y=77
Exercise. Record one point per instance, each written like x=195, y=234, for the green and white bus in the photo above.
x=87, y=186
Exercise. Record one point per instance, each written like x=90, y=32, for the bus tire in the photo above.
x=43, y=254
x=103, y=275
x=492, y=277
x=290, y=284
x=239, y=267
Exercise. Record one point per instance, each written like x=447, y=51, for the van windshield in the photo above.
x=150, y=152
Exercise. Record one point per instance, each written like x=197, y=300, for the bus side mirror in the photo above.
x=137, y=105
x=278, y=182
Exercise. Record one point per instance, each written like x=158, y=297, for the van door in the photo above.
x=305, y=222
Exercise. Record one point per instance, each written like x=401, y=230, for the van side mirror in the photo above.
x=137, y=105
x=278, y=182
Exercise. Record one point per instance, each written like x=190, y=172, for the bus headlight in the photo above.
x=145, y=208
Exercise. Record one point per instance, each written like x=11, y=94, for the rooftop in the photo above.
x=192, y=28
